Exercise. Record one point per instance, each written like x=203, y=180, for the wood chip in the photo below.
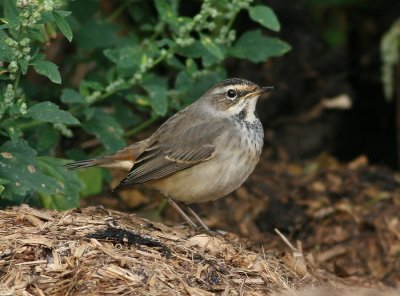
x=62, y=258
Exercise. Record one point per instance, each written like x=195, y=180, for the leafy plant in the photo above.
x=390, y=54
x=332, y=17
x=129, y=65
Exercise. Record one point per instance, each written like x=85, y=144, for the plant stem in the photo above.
x=16, y=82
x=231, y=21
x=106, y=95
x=118, y=11
x=18, y=75
x=30, y=124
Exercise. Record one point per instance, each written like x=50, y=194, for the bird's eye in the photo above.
x=231, y=93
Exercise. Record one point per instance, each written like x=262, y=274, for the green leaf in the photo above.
x=172, y=61
x=37, y=57
x=93, y=180
x=14, y=132
x=265, y=16
x=71, y=96
x=68, y=180
x=95, y=35
x=85, y=86
x=106, y=128
x=48, y=69
x=46, y=139
x=76, y=153
x=191, y=67
x=255, y=47
x=18, y=165
x=213, y=48
x=210, y=54
x=167, y=12
x=48, y=17
x=10, y=10
x=24, y=66
x=157, y=90
x=183, y=82
x=63, y=25
x=202, y=84
x=84, y=10
x=125, y=116
x=50, y=112
x=208, y=60
x=5, y=51
x=4, y=181
x=193, y=89
x=64, y=13
x=125, y=57
x=195, y=50
x=158, y=98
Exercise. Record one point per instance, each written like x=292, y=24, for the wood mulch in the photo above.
x=94, y=251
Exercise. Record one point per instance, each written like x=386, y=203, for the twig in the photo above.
x=285, y=240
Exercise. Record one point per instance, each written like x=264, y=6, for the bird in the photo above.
x=201, y=153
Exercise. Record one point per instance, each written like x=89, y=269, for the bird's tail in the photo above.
x=122, y=159
x=87, y=163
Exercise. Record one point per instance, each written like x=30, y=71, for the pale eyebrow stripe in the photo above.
x=239, y=87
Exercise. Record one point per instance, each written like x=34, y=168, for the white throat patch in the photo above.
x=245, y=108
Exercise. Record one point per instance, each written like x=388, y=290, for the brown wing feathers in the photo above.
x=182, y=150
x=191, y=154
x=171, y=149
x=122, y=158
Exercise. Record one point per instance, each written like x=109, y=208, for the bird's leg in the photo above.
x=197, y=217
x=183, y=214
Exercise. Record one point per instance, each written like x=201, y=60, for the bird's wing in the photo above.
x=178, y=144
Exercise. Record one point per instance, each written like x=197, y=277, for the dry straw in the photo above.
x=93, y=251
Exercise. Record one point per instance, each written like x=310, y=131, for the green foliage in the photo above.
x=69, y=183
x=63, y=25
x=130, y=64
x=265, y=16
x=257, y=48
x=50, y=112
x=48, y=69
x=93, y=180
x=19, y=167
x=390, y=52
x=332, y=17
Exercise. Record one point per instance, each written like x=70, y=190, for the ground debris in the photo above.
x=124, y=236
x=347, y=215
x=78, y=252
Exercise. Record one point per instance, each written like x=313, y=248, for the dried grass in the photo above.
x=55, y=253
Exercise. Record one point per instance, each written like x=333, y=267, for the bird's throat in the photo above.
x=246, y=111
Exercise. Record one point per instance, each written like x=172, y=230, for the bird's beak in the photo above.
x=263, y=90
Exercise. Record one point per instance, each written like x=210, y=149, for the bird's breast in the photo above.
x=237, y=153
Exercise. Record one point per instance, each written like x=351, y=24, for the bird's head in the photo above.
x=234, y=96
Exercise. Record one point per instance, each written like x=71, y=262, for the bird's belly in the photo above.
x=211, y=179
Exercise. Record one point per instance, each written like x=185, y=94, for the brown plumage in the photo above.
x=168, y=150
x=201, y=153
